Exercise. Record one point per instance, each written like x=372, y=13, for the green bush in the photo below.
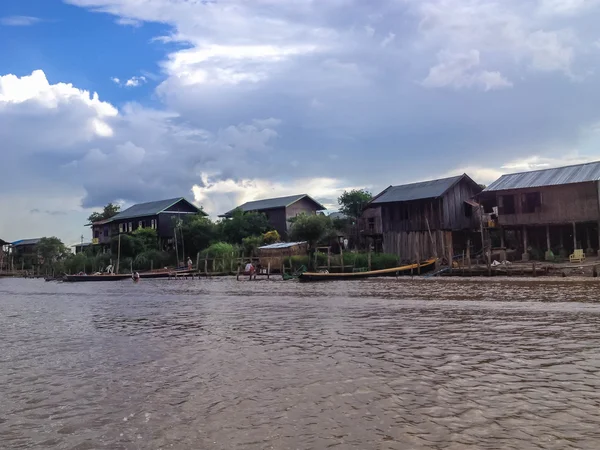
x=222, y=257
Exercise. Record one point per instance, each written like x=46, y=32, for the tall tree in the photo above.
x=108, y=211
x=51, y=251
x=353, y=202
x=198, y=233
x=242, y=225
x=311, y=228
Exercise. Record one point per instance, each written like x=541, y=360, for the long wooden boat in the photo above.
x=317, y=276
x=124, y=276
x=103, y=277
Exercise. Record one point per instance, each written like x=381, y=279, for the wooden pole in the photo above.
x=469, y=254
x=342, y=258
x=574, y=236
x=198, y=262
x=118, y=252
x=237, y=277
x=206, y=265
x=548, y=237
x=176, y=249
x=269, y=270
x=369, y=255
x=328, y=259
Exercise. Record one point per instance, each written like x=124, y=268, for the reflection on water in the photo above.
x=374, y=364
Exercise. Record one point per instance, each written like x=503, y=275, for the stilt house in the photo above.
x=429, y=218
x=550, y=211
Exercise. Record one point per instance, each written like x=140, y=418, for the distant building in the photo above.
x=280, y=210
x=82, y=247
x=551, y=209
x=425, y=219
x=157, y=215
x=24, y=253
x=25, y=246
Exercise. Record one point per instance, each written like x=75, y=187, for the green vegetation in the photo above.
x=108, y=211
x=353, y=202
x=242, y=225
x=314, y=229
x=356, y=260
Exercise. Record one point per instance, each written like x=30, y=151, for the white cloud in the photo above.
x=19, y=21
x=219, y=196
x=32, y=95
x=388, y=39
x=460, y=70
x=566, y=7
x=125, y=21
x=135, y=81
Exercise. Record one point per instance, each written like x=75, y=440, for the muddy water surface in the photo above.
x=374, y=364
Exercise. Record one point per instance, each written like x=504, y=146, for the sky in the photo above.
x=226, y=101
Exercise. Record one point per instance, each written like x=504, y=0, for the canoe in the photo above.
x=125, y=276
x=106, y=277
x=316, y=276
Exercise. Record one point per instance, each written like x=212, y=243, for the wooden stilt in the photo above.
x=548, y=246
x=574, y=236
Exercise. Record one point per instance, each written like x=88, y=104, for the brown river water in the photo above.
x=373, y=364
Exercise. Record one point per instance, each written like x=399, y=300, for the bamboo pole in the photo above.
x=176, y=249
x=206, y=265
x=118, y=252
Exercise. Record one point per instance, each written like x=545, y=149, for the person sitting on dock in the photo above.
x=189, y=263
x=249, y=269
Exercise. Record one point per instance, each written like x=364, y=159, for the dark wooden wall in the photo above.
x=304, y=205
x=455, y=208
x=446, y=213
x=278, y=220
x=559, y=205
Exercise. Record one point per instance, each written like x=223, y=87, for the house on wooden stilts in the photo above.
x=544, y=213
x=429, y=219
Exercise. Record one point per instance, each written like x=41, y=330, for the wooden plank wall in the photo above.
x=560, y=205
x=407, y=244
x=454, y=217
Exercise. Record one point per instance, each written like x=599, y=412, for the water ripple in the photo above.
x=220, y=364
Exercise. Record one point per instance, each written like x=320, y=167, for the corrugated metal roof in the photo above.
x=416, y=191
x=147, y=209
x=272, y=203
x=580, y=173
x=26, y=242
x=281, y=245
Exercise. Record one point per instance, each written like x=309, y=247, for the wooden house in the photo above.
x=552, y=209
x=158, y=215
x=425, y=219
x=280, y=210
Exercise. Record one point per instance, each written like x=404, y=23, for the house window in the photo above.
x=506, y=204
x=371, y=224
x=96, y=233
x=153, y=224
x=140, y=224
x=531, y=201
x=121, y=228
x=130, y=226
x=105, y=231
